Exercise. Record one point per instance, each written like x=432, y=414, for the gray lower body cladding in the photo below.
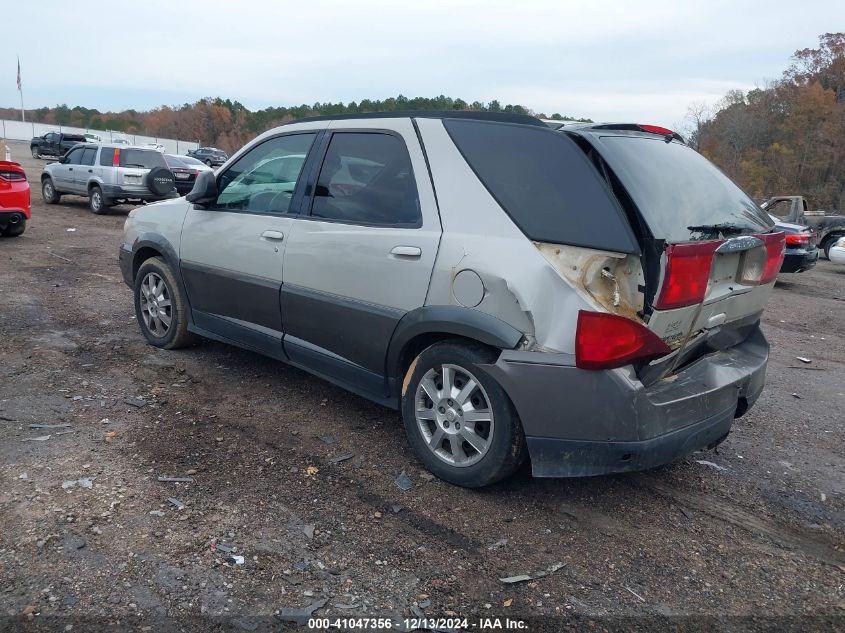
x=579, y=423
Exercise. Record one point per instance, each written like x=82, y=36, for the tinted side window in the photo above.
x=74, y=156
x=263, y=180
x=88, y=155
x=543, y=181
x=107, y=156
x=366, y=178
x=143, y=158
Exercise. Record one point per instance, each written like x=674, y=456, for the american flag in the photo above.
x=19, y=73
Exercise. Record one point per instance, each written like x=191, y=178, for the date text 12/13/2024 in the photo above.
x=456, y=623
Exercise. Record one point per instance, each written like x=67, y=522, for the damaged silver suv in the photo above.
x=588, y=298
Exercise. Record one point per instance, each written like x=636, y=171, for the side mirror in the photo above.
x=63, y=160
x=205, y=189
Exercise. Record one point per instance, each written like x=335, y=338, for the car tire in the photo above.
x=160, y=307
x=14, y=230
x=48, y=191
x=830, y=243
x=466, y=452
x=208, y=162
x=97, y=201
x=35, y=152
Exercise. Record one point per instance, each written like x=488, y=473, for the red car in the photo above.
x=14, y=199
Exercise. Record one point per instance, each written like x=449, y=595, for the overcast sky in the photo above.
x=621, y=61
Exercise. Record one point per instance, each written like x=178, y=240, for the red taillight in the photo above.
x=115, y=162
x=687, y=274
x=656, y=129
x=605, y=341
x=798, y=239
x=775, y=249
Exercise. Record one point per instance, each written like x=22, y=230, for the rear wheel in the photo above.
x=160, y=307
x=35, y=153
x=97, y=202
x=208, y=162
x=48, y=191
x=460, y=422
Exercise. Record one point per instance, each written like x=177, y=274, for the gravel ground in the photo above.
x=291, y=500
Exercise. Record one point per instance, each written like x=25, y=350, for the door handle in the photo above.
x=90, y=171
x=70, y=168
x=406, y=251
x=273, y=235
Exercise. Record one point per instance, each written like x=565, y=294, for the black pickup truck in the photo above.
x=828, y=225
x=54, y=144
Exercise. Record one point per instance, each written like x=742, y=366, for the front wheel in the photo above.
x=459, y=421
x=48, y=191
x=97, y=202
x=160, y=307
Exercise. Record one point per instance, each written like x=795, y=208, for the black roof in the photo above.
x=500, y=117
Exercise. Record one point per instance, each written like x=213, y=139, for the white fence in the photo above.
x=20, y=131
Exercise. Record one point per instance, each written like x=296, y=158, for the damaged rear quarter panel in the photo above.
x=523, y=285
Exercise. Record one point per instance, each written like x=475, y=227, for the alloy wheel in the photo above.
x=156, y=306
x=454, y=415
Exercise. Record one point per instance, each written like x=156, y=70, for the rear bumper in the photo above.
x=798, y=260
x=579, y=423
x=118, y=192
x=12, y=216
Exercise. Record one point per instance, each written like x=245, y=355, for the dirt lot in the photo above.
x=752, y=539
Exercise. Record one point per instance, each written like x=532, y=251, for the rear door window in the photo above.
x=366, y=178
x=543, y=181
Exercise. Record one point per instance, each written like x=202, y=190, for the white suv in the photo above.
x=588, y=297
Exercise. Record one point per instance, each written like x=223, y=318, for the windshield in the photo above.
x=681, y=195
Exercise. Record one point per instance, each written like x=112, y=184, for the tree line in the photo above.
x=229, y=124
x=787, y=137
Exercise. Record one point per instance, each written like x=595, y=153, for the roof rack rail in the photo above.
x=499, y=117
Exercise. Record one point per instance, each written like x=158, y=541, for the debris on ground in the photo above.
x=311, y=471
x=222, y=547
x=634, y=593
x=109, y=435
x=71, y=230
x=176, y=503
x=85, y=482
x=500, y=543
x=327, y=439
x=803, y=359
x=40, y=438
x=49, y=426
x=396, y=508
x=308, y=530
x=167, y=478
x=797, y=395
x=341, y=458
x=238, y=560
x=136, y=402
x=157, y=513
x=704, y=462
x=511, y=580
x=403, y=482
x=300, y=615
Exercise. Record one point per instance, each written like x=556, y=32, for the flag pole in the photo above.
x=20, y=90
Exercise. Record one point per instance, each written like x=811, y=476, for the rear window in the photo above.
x=144, y=158
x=678, y=192
x=545, y=183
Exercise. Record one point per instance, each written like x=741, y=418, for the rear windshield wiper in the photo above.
x=725, y=228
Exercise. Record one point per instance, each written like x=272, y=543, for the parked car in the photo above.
x=837, y=252
x=185, y=170
x=15, y=208
x=107, y=174
x=90, y=137
x=802, y=251
x=120, y=141
x=156, y=146
x=54, y=144
x=828, y=225
x=211, y=156
x=589, y=298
